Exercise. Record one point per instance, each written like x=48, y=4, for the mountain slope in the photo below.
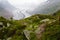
x=36, y=27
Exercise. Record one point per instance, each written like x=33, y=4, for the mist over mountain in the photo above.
x=6, y=9
x=47, y=7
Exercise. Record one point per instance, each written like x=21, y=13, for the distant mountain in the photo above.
x=6, y=9
x=47, y=7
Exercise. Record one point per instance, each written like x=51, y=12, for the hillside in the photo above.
x=36, y=27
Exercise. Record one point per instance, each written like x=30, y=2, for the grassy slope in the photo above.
x=16, y=28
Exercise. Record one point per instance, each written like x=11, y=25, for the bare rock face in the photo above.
x=27, y=34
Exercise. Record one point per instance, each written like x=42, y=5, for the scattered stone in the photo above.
x=27, y=34
x=45, y=20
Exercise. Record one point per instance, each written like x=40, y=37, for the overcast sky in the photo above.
x=47, y=7
x=26, y=3
x=25, y=8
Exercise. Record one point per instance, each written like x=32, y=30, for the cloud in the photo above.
x=47, y=7
x=26, y=4
x=6, y=9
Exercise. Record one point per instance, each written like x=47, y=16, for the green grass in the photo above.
x=16, y=27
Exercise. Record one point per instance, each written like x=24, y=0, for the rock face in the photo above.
x=45, y=20
x=27, y=34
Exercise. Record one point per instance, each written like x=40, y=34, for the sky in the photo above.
x=18, y=8
x=25, y=8
x=25, y=3
x=49, y=7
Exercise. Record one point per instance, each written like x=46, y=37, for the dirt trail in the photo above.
x=40, y=30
